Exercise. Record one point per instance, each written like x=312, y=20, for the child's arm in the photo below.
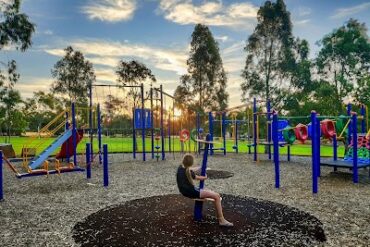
x=201, y=178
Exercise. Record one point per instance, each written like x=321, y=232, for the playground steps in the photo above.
x=39, y=160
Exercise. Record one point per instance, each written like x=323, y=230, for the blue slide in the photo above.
x=44, y=155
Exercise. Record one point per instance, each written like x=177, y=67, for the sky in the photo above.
x=158, y=33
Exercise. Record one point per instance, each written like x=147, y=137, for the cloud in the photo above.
x=106, y=54
x=304, y=11
x=110, y=10
x=345, y=12
x=301, y=22
x=28, y=85
x=213, y=13
x=222, y=38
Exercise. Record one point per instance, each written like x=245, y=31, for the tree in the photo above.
x=267, y=48
x=344, y=60
x=204, y=87
x=41, y=109
x=16, y=30
x=73, y=76
x=13, y=117
x=132, y=74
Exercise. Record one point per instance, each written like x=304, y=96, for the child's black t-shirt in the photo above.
x=184, y=185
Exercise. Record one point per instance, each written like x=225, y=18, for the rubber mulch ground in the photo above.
x=167, y=221
x=217, y=174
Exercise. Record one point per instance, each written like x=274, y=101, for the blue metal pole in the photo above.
x=169, y=133
x=288, y=152
x=210, y=121
x=349, y=110
x=133, y=135
x=105, y=165
x=314, y=152
x=152, y=120
x=268, y=115
x=91, y=133
x=74, y=134
x=99, y=135
x=355, y=156
x=318, y=146
x=335, y=150
x=223, y=122
x=255, y=128
x=162, y=130
x=1, y=177
x=198, y=127
x=67, y=142
x=363, y=120
x=276, y=149
x=88, y=161
x=236, y=138
x=199, y=204
x=143, y=121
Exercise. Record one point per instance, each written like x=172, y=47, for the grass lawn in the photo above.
x=124, y=144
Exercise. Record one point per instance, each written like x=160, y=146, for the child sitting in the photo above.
x=185, y=183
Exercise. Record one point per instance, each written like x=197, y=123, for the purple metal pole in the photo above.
x=143, y=134
x=99, y=136
x=199, y=204
x=1, y=177
x=88, y=161
x=223, y=122
x=355, y=158
x=268, y=115
x=105, y=166
x=363, y=120
x=318, y=147
x=314, y=152
x=255, y=128
x=275, y=140
x=74, y=134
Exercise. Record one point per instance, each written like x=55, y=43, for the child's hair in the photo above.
x=187, y=162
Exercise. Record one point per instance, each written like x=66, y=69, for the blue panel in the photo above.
x=138, y=118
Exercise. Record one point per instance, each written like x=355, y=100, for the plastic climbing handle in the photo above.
x=184, y=135
x=328, y=128
x=193, y=135
x=301, y=132
x=289, y=135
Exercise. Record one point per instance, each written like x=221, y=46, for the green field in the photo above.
x=124, y=144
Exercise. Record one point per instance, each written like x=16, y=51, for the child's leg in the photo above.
x=204, y=193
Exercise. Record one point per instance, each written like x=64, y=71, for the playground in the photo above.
x=284, y=180
x=48, y=210
x=184, y=123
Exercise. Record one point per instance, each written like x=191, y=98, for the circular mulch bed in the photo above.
x=217, y=174
x=168, y=221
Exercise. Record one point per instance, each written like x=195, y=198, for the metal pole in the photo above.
x=143, y=120
x=105, y=166
x=363, y=120
x=349, y=109
x=210, y=122
x=255, y=128
x=314, y=152
x=268, y=115
x=133, y=134
x=1, y=177
x=99, y=135
x=88, y=161
x=318, y=146
x=236, y=137
x=199, y=204
x=162, y=128
x=335, y=150
x=67, y=142
x=74, y=134
x=223, y=122
x=91, y=123
x=198, y=127
x=152, y=120
x=355, y=158
x=276, y=148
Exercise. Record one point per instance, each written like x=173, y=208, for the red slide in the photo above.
x=63, y=151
